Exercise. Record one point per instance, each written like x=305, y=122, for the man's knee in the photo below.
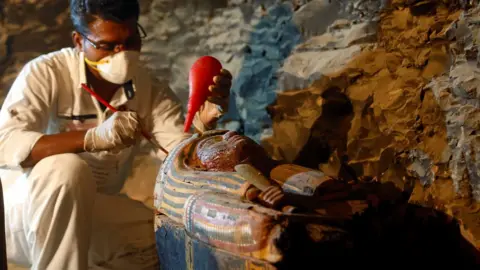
x=68, y=170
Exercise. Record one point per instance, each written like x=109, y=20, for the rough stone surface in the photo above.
x=24, y=36
x=411, y=74
x=410, y=69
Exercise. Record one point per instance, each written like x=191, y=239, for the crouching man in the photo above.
x=73, y=154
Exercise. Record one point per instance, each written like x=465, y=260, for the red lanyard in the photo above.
x=106, y=104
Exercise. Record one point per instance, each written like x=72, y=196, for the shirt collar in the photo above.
x=81, y=70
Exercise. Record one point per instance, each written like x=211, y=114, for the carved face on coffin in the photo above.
x=223, y=152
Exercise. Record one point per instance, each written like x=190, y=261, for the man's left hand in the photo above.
x=217, y=103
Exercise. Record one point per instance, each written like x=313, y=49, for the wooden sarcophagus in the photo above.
x=206, y=220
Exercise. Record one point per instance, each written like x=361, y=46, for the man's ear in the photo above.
x=77, y=40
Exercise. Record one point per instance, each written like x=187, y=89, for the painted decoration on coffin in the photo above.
x=228, y=223
x=178, y=250
x=176, y=182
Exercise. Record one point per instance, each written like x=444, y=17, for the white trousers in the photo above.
x=55, y=219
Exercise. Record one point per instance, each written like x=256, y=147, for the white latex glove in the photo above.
x=117, y=132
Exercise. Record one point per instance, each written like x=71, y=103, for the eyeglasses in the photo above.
x=110, y=46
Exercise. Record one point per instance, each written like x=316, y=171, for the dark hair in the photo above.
x=84, y=12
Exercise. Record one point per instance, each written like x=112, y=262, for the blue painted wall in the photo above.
x=270, y=43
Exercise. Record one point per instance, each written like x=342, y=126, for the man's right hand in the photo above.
x=117, y=132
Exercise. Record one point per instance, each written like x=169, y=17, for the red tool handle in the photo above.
x=99, y=98
x=106, y=104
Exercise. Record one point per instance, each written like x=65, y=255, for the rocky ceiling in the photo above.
x=409, y=69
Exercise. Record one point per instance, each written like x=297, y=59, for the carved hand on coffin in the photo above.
x=265, y=191
x=272, y=196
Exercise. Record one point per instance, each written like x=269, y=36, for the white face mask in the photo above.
x=118, y=68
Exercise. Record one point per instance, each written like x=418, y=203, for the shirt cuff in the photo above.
x=20, y=147
x=198, y=124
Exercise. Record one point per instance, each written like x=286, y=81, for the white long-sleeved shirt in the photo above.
x=47, y=98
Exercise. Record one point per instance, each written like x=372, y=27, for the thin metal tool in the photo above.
x=145, y=134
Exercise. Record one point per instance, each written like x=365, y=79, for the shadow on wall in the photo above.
x=394, y=233
x=407, y=234
x=271, y=42
x=330, y=127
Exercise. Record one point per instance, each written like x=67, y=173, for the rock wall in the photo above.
x=410, y=72
x=409, y=68
x=28, y=29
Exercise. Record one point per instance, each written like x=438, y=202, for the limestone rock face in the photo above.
x=28, y=29
x=410, y=72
